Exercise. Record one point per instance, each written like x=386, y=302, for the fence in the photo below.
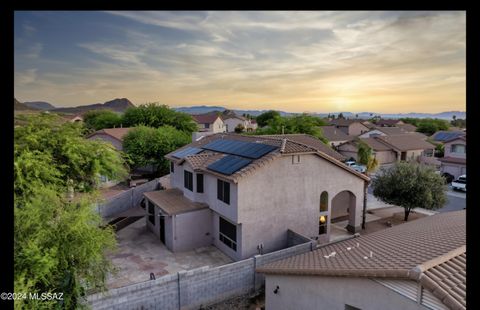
x=199, y=287
x=126, y=200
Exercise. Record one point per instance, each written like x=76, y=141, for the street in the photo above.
x=455, y=200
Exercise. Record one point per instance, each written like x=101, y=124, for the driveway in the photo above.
x=140, y=253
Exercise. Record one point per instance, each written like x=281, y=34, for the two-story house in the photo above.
x=242, y=194
x=455, y=156
x=352, y=127
x=209, y=122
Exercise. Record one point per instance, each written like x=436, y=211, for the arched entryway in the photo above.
x=323, y=214
x=344, y=209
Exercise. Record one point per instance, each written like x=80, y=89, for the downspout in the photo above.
x=364, y=213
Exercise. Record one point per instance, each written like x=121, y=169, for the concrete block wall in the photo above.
x=126, y=200
x=194, y=288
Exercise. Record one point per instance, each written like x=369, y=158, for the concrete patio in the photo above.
x=140, y=253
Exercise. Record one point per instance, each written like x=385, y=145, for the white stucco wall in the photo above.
x=332, y=293
x=192, y=230
x=231, y=123
x=282, y=195
x=448, y=149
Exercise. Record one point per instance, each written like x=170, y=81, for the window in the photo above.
x=207, y=125
x=188, y=180
x=322, y=224
x=223, y=191
x=458, y=148
x=227, y=233
x=151, y=212
x=324, y=202
x=172, y=167
x=199, y=183
x=295, y=159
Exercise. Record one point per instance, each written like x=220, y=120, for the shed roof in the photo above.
x=172, y=201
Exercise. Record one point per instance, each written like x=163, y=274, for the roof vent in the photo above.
x=282, y=148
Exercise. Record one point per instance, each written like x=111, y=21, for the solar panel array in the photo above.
x=245, y=149
x=185, y=152
x=444, y=136
x=229, y=164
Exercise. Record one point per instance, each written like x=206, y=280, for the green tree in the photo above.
x=264, y=118
x=410, y=185
x=148, y=146
x=365, y=157
x=340, y=115
x=155, y=115
x=100, y=119
x=240, y=128
x=59, y=246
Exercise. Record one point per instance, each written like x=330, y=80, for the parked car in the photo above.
x=447, y=176
x=460, y=184
x=352, y=164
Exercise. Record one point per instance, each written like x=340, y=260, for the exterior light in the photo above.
x=322, y=219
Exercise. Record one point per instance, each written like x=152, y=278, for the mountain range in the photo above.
x=121, y=104
x=117, y=105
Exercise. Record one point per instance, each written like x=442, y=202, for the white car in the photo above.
x=460, y=183
x=352, y=164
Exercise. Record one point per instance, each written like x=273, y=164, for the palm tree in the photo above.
x=365, y=156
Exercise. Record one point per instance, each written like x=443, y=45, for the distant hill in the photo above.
x=116, y=105
x=39, y=105
x=18, y=106
x=207, y=109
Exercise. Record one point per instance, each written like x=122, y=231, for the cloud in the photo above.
x=25, y=77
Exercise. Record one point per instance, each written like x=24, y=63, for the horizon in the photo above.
x=389, y=62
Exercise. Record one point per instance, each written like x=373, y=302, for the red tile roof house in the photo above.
x=352, y=127
x=209, y=122
x=454, y=160
x=112, y=135
x=335, y=136
x=417, y=265
x=389, y=122
x=243, y=201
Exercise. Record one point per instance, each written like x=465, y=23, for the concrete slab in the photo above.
x=140, y=253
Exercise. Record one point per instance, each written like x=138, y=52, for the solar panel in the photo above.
x=229, y=164
x=185, y=152
x=241, y=148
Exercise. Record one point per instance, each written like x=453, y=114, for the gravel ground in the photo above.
x=254, y=301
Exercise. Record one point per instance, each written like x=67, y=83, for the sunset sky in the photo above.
x=295, y=61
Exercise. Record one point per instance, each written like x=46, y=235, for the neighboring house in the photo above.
x=242, y=193
x=444, y=135
x=232, y=121
x=390, y=149
x=417, y=265
x=389, y=122
x=390, y=131
x=210, y=122
x=73, y=118
x=111, y=135
x=407, y=127
x=454, y=160
x=335, y=136
x=352, y=127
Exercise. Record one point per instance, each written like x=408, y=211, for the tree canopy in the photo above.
x=147, y=146
x=59, y=245
x=427, y=126
x=155, y=115
x=303, y=123
x=262, y=119
x=100, y=119
x=410, y=185
x=365, y=156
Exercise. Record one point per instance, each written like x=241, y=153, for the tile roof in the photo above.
x=391, y=130
x=172, y=201
x=405, y=142
x=453, y=160
x=208, y=118
x=375, y=144
x=430, y=250
x=345, y=122
x=287, y=144
x=332, y=133
x=464, y=138
x=387, y=122
x=117, y=133
x=407, y=127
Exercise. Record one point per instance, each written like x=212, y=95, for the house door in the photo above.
x=403, y=156
x=162, y=228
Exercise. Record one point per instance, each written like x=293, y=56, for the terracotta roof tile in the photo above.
x=334, y=134
x=405, y=142
x=117, y=133
x=205, y=118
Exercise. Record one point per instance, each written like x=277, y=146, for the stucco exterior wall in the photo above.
x=348, y=150
x=332, y=293
x=448, y=149
x=283, y=196
x=385, y=157
x=192, y=230
x=413, y=155
x=356, y=129
x=231, y=123
x=454, y=169
x=218, y=126
x=101, y=136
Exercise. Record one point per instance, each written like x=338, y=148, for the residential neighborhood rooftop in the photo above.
x=444, y=135
x=431, y=250
x=208, y=118
x=345, y=122
x=334, y=134
x=406, y=142
x=117, y=133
